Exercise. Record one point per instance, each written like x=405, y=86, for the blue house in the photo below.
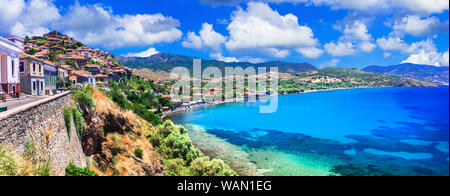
x=50, y=71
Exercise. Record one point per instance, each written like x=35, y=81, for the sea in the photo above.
x=349, y=132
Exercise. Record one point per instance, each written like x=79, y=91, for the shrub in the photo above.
x=205, y=167
x=67, y=113
x=182, y=158
x=29, y=150
x=79, y=122
x=73, y=170
x=176, y=167
x=84, y=98
x=45, y=169
x=8, y=164
x=138, y=153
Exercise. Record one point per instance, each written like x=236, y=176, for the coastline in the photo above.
x=185, y=109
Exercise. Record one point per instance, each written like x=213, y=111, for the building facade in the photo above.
x=9, y=66
x=50, y=71
x=32, y=76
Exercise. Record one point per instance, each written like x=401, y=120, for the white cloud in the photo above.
x=92, y=24
x=146, y=53
x=340, y=49
x=22, y=18
x=392, y=43
x=355, y=38
x=208, y=39
x=416, y=26
x=425, y=52
x=97, y=25
x=10, y=10
x=259, y=28
x=422, y=7
x=312, y=52
x=220, y=57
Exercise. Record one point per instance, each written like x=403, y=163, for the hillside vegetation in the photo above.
x=119, y=142
x=331, y=78
x=166, y=62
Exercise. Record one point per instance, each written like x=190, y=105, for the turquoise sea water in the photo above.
x=372, y=131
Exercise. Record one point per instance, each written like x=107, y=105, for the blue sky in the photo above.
x=343, y=33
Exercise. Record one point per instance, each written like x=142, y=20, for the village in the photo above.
x=49, y=64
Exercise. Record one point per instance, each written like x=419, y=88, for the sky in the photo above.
x=325, y=33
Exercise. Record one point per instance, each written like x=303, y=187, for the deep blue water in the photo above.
x=371, y=131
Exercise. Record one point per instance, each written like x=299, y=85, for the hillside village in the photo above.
x=42, y=65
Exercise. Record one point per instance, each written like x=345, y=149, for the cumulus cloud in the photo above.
x=422, y=7
x=93, y=24
x=97, y=25
x=392, y=43
x=146, y=53
x=425, y=52
x=22, y=18
x=259, y=28
x=340, y=49
x=218, y=56
x=208, y=39
x=355, y=38
x=417, y=26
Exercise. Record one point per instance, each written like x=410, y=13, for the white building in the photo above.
x=10, y=48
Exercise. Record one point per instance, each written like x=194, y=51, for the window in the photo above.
x=40, y=68
x=42, y=86
x=34, y=85
x=12, y=68
x=22, y=67
x=34, y=67
x=47, y=81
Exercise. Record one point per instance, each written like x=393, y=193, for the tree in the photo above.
x=32, y=51
x=79, y=44
x=52, y=56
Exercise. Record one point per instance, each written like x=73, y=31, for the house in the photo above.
x=41, y=55
x=101, y=79
x=84, y=78
x=94, y=69
x=63, y=71
x=79, y=60
x=50, y=70
x=9, y=67
x=17, y=40
x=56, y=48
x=32, y=77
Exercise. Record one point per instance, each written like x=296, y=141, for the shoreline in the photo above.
x=186, y=109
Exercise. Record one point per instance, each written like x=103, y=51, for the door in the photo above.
x=34, y=88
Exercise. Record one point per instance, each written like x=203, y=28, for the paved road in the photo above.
x=17, y=103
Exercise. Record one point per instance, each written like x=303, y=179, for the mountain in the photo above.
x=166, y=62
x=427, y=73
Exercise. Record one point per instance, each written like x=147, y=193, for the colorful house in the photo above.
x=83, y=78
x=50, y=70
x=94, y=69
x=9, y=66
x=32, y=78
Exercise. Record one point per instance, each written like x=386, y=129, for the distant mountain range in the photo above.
x=426, y=73
x=166, y=62
x=162, y=63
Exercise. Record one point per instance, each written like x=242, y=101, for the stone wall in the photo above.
x=43, y=124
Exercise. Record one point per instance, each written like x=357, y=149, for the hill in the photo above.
x=166, y=62
x=427, y=73
x=332, y=78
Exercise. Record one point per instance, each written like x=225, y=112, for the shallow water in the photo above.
x=374, y=131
